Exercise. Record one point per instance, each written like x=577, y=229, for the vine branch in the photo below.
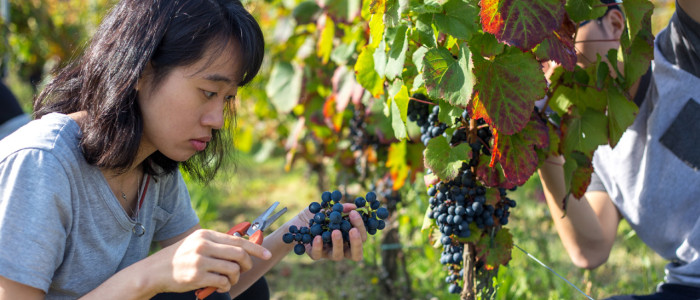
x=421, y=101
x=468, y=256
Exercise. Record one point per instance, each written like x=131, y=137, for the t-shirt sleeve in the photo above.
x=596, y=184
x=35, y=216
x=175, y=206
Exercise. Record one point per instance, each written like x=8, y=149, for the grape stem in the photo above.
x=422, y=101
x=599, y=40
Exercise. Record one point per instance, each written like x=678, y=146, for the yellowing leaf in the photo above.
x=366, y=74
x=325, y=41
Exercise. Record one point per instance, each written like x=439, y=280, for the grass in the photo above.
x=235, y=196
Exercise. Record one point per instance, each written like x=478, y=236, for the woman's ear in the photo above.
x=615, y=23
x=142, y=78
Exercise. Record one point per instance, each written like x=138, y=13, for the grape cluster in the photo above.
x=329, y=216
x=455, y=206
x=385, y=188
x=485, y=135
x=359, y=136
x=433, y=128
x=418, y=111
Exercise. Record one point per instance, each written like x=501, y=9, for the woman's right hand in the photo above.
x=204, y=258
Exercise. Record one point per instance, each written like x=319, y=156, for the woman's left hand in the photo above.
x=338, y=250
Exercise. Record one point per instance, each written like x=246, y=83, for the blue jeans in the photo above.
x=259, y=290
x=665, y=291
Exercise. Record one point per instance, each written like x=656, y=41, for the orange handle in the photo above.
x=241, y=228
x=257, y=237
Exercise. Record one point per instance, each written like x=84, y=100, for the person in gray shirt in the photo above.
x=651, y=178
x=11, y=114
x=87, y=186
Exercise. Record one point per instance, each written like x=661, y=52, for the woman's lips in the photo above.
x=198, y=145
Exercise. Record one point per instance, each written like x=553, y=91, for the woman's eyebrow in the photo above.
x=218, y=78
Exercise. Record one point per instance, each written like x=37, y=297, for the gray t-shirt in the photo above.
x=653, y=174
x=62, y=230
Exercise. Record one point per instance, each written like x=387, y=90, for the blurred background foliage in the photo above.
x=41, y=35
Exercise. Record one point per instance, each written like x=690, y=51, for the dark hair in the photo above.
x=166, y=34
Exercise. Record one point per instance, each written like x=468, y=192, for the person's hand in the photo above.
x=338, y=250
x=430, y=179
x=202, y=259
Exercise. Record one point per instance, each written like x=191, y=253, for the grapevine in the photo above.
x=448, y=89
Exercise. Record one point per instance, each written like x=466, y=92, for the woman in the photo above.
x=95, y=179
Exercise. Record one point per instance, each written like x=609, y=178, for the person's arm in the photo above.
x=588, y=226
x=201, y=258
x=10, y=289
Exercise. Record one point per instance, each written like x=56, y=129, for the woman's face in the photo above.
x=598, y=37
x=181, y=112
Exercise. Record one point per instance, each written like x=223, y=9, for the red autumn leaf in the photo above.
x=509, y=85
x=581, y=178
x=523, y=24
x=559, y=45
x=495, y=251
x=492, y=176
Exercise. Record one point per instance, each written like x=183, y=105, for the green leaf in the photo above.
x=306, y=12
x=569, y=167
x=344, y=10
x=637, y=13
x=638, y=56
x=325, y=41
x=509, y=86
x=446, y=77
x=582, y=131
x=621, y=113
x=485, y=44
x=523, y=24
x=397, y=54
x=366, y=74
x=497, y=251
x=379, y=57
x=602, y=73
x=582, y=97
x=444, y=160
x=582, y=10
x=475, y=236
x=418, y=56
x=562, y=99
x=424, y=28
x=398, y=104
x=427, y=6
x=392, y=16
x=459, y=19
x=284, y=87
x=342, y=53
x=448, y=113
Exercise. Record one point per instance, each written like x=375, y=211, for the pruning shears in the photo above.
x=253, y=230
